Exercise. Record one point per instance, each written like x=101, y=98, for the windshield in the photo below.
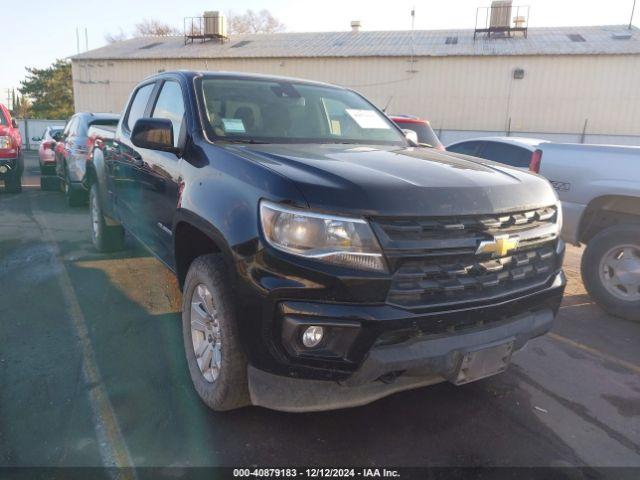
x=267, y=111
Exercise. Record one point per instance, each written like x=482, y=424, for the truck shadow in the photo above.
x=135, y=330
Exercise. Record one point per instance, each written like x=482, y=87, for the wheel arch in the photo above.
x=194, y=236
x=95, y=172
x=606, y=211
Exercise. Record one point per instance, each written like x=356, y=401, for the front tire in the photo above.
x=217, y=364
x=106, y=238
x=13, y=183
x=611, y=270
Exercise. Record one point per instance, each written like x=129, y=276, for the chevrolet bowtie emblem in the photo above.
x=499, y=246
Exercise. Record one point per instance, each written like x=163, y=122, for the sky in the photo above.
x=38, y=35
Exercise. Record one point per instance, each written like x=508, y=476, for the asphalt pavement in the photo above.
x=92, y=372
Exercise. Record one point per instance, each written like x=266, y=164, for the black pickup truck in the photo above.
x=325, y=260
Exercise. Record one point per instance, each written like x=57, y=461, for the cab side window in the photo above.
x=139, y=105
x=466, y=148
x=507, y=154
x=70, y=129
x=170, y=105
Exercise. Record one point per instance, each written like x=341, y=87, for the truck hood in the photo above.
x=398, y=181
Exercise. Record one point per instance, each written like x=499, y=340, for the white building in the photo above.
x=570, y=84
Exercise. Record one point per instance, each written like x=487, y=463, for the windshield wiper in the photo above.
x=248, y=140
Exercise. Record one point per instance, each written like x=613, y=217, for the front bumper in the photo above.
x=411, y=364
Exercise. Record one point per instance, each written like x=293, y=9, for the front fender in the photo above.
x=224, y=190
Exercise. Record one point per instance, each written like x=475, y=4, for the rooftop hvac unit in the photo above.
x=215, y=24
x=500, y=14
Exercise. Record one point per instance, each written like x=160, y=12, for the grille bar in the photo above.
x=434, y=260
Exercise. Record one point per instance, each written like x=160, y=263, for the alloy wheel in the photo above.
x=620, y=272
x=205, y=333
x=95, y=216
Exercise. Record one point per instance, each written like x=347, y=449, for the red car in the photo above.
x=426, y=135
x=11, y=161
x=46, y=153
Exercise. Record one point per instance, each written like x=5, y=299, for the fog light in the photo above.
x=312, y=336
x=3, y=169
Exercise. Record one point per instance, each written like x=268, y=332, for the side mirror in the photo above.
x=36, y=139
x=154, y=134
x=14, y=123
x=411, y=135
x=57, y=136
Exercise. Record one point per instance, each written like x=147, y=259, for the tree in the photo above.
x=116, y=37
x=254, y=22
x=147, y=27
x=154, y=27
x=21, y=107
x=49, y=90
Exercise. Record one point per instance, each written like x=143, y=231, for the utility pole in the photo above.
x=633, y=9
x=413, y=45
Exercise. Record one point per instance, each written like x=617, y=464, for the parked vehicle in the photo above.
x=424, y=133
x=324, y=261
x=71, y=154
x=11, y=160
x=599, y=186
x=47, y=156
x=517, y=152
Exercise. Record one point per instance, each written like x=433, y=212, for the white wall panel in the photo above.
x=557, y=94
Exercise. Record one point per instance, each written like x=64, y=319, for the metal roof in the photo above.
x=540, y=41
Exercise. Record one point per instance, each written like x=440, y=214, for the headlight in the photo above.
x=5, y=142
x=344, y=241
x=559, y=216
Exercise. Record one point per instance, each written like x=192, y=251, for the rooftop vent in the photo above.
x=151, y=45
x=241, y=44
x=500, y=14
x=355, y=25
x=451, y=41
x=576, y=37
x=621, y=36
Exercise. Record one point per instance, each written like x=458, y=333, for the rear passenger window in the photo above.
x=170, y=105
x=70, y=129
x=466, y=148
x=507, y=154
x=139, y=105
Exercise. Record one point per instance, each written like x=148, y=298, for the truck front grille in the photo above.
x=434, y=260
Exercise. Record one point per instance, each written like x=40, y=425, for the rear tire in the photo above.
x=75, y=197
x=13, y=183
x=219, y=370
x=106, y=238
x=611, y=270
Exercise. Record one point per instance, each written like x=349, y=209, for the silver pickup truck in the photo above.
x=599, y=187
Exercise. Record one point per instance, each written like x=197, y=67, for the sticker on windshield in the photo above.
x=367, y=119
x=233, y=125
